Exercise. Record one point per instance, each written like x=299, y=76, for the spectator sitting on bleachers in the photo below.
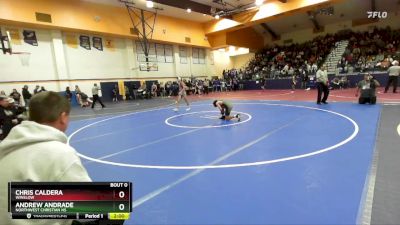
x=16, y=96
x=10, y=115
x=344, y=83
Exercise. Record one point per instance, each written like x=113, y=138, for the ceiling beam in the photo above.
x=194, y=6
x=268, y=12
x=269, y=30
x=313, y=19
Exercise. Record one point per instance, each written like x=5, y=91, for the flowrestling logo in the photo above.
x=377, y=14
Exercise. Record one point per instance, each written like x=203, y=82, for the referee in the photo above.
x=393, y=76
x=322, y=85
x=95, y=93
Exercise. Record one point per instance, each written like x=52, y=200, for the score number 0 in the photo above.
x=121, y=194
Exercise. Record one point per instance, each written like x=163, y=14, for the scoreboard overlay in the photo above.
x=70, y=200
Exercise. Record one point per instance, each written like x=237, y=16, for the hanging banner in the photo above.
x=121, y=87
x=109, y=44
x=15, y=36
x=71, y=40
x=84, y=42
x=98, y=43
x=30, y=37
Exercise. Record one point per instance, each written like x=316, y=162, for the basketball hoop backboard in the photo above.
x=151, y=66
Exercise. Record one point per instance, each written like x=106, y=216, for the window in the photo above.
x=157, y=53
x=202, y=56
x=169, y=54
x=198, y=56
x=183, y=55
x=160, y=53
x=140, y=52
x=195, y=55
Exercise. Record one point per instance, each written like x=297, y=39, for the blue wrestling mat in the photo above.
x=284, y=162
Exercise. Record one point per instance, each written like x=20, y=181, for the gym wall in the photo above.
x=58, y=64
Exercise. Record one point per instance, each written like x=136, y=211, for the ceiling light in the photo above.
x=217, y=16
x=259, y=2
x=204, y=14
x=188, y=10
x=149, y=4
x=221, y=50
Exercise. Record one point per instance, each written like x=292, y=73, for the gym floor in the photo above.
x=288, y=161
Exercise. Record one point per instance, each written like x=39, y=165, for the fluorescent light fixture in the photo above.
x=188, y=10
x=221, y=50
x=234, y=51
x=149, y=4
x=217, y=16
x=259, y=2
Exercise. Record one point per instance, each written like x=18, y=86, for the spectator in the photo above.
x=114, y=93
x=37, y=151
x=217, y=85
x=68, y=94
x=6, y=117
x=78, y=95
x=235, y=84
x=168, y=88
x=10, y=115
x=26, y=95
x=142, y=91
x=42, y=89
x=344, y=83
x=335, y=83
x=294, y=82
x=154, y=89
x=205, y=86
x=16, y=96
x=36, y=90
x=304, y=78
x=127, y=93
x=160, y=89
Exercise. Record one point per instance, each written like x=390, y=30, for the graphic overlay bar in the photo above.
x=70, y=200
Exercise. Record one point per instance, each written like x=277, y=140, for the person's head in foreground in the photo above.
x=50, y=108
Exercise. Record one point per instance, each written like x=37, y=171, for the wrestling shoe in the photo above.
x=238, y=117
